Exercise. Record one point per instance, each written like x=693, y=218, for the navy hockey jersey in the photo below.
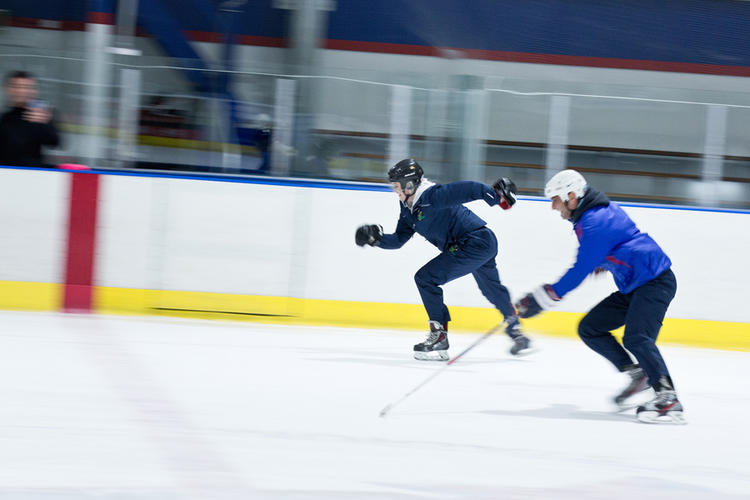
x=438, y=213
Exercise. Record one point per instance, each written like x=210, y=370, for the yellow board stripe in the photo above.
x=712, y=334
x=285, y=310
x=30, y=296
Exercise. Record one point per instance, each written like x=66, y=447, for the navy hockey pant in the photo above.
x=642, y=312
x=474, y=253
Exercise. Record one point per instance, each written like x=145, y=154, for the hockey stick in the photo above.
x=478, y=341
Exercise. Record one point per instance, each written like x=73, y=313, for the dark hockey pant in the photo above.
x=474, y=253
x=642, y=312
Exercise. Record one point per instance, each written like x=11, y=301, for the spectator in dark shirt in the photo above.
x=27, y=125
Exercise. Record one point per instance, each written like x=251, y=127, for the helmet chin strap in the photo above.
x=407, y=199
x=413, y=189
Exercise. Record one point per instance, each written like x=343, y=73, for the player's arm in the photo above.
x=372, y=234
x=403, y=233
x=593, y=249
x=457, y=193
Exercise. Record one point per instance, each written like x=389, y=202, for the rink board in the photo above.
x=282, y=250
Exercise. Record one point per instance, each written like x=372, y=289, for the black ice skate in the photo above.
x=665, y=408
x=638, y=383
x=435, y=346
x=521, y=343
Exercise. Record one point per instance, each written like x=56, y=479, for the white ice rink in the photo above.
x=163, y=409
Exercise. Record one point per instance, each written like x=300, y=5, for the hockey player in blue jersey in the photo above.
x=610, y=241
x=466, y=244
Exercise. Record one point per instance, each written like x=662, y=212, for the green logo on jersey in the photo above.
x=420, y=216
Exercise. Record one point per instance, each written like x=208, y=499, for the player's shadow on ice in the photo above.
x=409, y=362
x=564, y=412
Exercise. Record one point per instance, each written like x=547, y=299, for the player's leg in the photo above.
x=648, y=305
x=595, y=329
x=429, y=279
x=458, y=260
x=487, y=277
x=488, y=281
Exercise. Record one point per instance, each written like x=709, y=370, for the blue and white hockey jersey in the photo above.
x=609, y=239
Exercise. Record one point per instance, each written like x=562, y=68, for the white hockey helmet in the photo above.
x=562, y=183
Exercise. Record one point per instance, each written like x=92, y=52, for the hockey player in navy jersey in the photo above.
x=610, y=241
x=466, y=244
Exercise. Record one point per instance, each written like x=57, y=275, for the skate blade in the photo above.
x=633, y=402
x=653, y=417
x=526, y=352
x=431, y=355
x=620, y=408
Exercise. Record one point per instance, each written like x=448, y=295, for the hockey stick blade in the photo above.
x=384, y=412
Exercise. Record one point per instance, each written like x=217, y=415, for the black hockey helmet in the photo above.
x=407, y=172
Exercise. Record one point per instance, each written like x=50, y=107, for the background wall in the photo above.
x=673, y=31
x=363, y=107
x=680, y=51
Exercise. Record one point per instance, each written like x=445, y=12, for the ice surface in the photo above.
x=157, y=408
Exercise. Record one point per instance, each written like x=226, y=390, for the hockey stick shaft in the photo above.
x=478, y=341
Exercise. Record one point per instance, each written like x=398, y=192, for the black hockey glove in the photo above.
x=528, y=306
x=537, y=301
x=506, y=190
x=368, y=234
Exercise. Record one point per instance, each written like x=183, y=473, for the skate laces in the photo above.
x=432, y=337
x=636, y=374
x=665, y=397
x=513, y=327
x=637, y=383
x=436, y=329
